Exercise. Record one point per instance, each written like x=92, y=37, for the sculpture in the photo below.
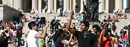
x=91, y=11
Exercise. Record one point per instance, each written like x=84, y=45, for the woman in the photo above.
x=105, y=40
x=121, y=32
x=59, y=39
x=67, y=37
x=10, y=34
x=14, y=36
x=125, y=39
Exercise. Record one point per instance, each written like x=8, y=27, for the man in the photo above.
x=19, y=35
x=85, y=39
x=33, y=35
x=97, y=31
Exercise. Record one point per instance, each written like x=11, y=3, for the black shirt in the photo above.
x=85, y=40
x=95, y=44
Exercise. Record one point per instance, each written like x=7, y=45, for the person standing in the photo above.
x=113, y=27
x=125, y=39
x=32, y=38
x=19, y=35
x=14, y=36
x=80, y=18
x=105, y=40
x=84, y=37
x=59, y=37
x=97, y=31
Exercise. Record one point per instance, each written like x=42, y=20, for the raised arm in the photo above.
x=100, y=37
x=69, y=23
x=69, y=42
x=44, y=33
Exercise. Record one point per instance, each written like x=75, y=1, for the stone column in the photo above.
x=74, y=1
x=81, y=6
x=71, y=1
x=50, y=5
x=107, y=6
x=85, y=2
x=12, y=3
x=55, y=5
x=66, y=5
x=39, y=6
x=118, y=4
x=102, y=5
x=35, y=4
x=18, y=4
x=125, y=4
x=3, y=1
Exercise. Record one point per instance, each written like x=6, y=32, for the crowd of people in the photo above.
x=11, y=30
x=65, y=34
x=103, y=35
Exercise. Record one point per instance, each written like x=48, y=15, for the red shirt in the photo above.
x=106, y=43
x=73, y=26
x=9, y=25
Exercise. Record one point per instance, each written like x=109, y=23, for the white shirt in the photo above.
x=57, y=18
x=31, y=39
x=1, y=32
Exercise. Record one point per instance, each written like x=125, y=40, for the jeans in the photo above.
x=52, y=45
x=19, y=40
x=124, y=43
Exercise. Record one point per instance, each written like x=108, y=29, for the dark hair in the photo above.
x=67, y=32
x=3, y=34
x=97, y=27
x=86, y=23
x=6, y=31
x=125, y=32
x=73, y=23
x=106, y=35
x=113, y=23
x=58, y=34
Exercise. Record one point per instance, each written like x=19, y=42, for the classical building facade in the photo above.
x=43, y=6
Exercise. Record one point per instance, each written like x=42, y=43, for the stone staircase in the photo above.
x=120, y=24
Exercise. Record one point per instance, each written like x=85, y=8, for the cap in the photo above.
x=33, y=23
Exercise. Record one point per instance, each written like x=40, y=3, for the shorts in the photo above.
x=11, y=35
x=14, y=40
